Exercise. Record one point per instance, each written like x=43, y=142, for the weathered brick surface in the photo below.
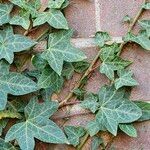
x=81, y=17
x=112, y=13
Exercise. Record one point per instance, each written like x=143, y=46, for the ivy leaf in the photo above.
x=74, y=134
x=6, y=146
x=65, y=4
x=125, y=79
x=128, y=129
x=114, y=108
x=15, y=84
x=9, y=114
x=10, y=43
x=145, y=24
x=101, y=38
x=141, y=39
x=21, y=19
x=127, y=19
x=50, y=79
x=145, y=107
x=96, y=142
x=4, y=67
x=108, y=67
x=55, y=4
x=90, y=102
x=39, y=62
x=3, y=124
x=54, y=18
x=146, y=5
x=37, y=125
x=5, y=10
x=60, y=50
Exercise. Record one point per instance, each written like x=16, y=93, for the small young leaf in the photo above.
x=125, y=79
x=5, y=145
x=142, y=39
x=80, y=66
x=128, y=129
x=55, y=3
x=5, y=10
x=145, y=107
x=4, y=67
x=60, y=50
x=127, y=19
x=3, y=124
x=15, y=84
x=54, y=18
x=145, y=24
x=114, y=108
x=91, y=103
x=50, y=79
x=74, y=134
x=39, y=62
x=79, y=92
x=65, y=4
x=10, y=43
x=68, y=70
x=146, y=5
x=101, y=38
x=96, y=142
x=37, y=125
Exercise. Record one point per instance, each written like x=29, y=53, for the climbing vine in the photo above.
x=40, y=75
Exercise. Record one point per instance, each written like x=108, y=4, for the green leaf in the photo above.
x=127, y=19
x=146, y=5
x=96, y=142
x=9, y=114
x=125, y=79
x=37, y=125
x=142, y=39
x=50, y=79
x=6, y=146
x=68, y=70
x=4, y=67
x=108, y=67
x=10, y=43
x=60, y=50
x=81, y=66
x=55, y=3
x=101, y=38
x=74, y=134
x=128, y=129
x=114, y=108
x=145, y=24
x=21, y=19
x=3, y=124
x=39, y=62
x=15, y=84
x=145, y=107
x=79, y=92
x=5, y=10
x=90, y=102
x=54, y=18
x=65, y=4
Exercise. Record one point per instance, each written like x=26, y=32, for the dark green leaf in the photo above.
x=114, y=108
x=96, y=142
x=15, y=84
x=6, y=146
x=50, y=79
x=125, y=79
x=128, y=129
x=101, y=38
x=3, y=124
x=142, y=39
x=74, y=134
x=145, y=107
x=37, y=125
x=4, y=67
x=54, y=18
x=60, y=50
x=5, y=10
x=10, y=43
x=68, y=70
x=79, y=93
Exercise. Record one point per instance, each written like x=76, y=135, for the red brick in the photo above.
x=81, y=17
x=112, y=13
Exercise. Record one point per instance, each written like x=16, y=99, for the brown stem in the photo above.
x=88, y=71
x=85, y=138
x=71, y=115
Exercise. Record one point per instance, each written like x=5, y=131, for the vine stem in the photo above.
x=121, y=47
x=87, y=72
